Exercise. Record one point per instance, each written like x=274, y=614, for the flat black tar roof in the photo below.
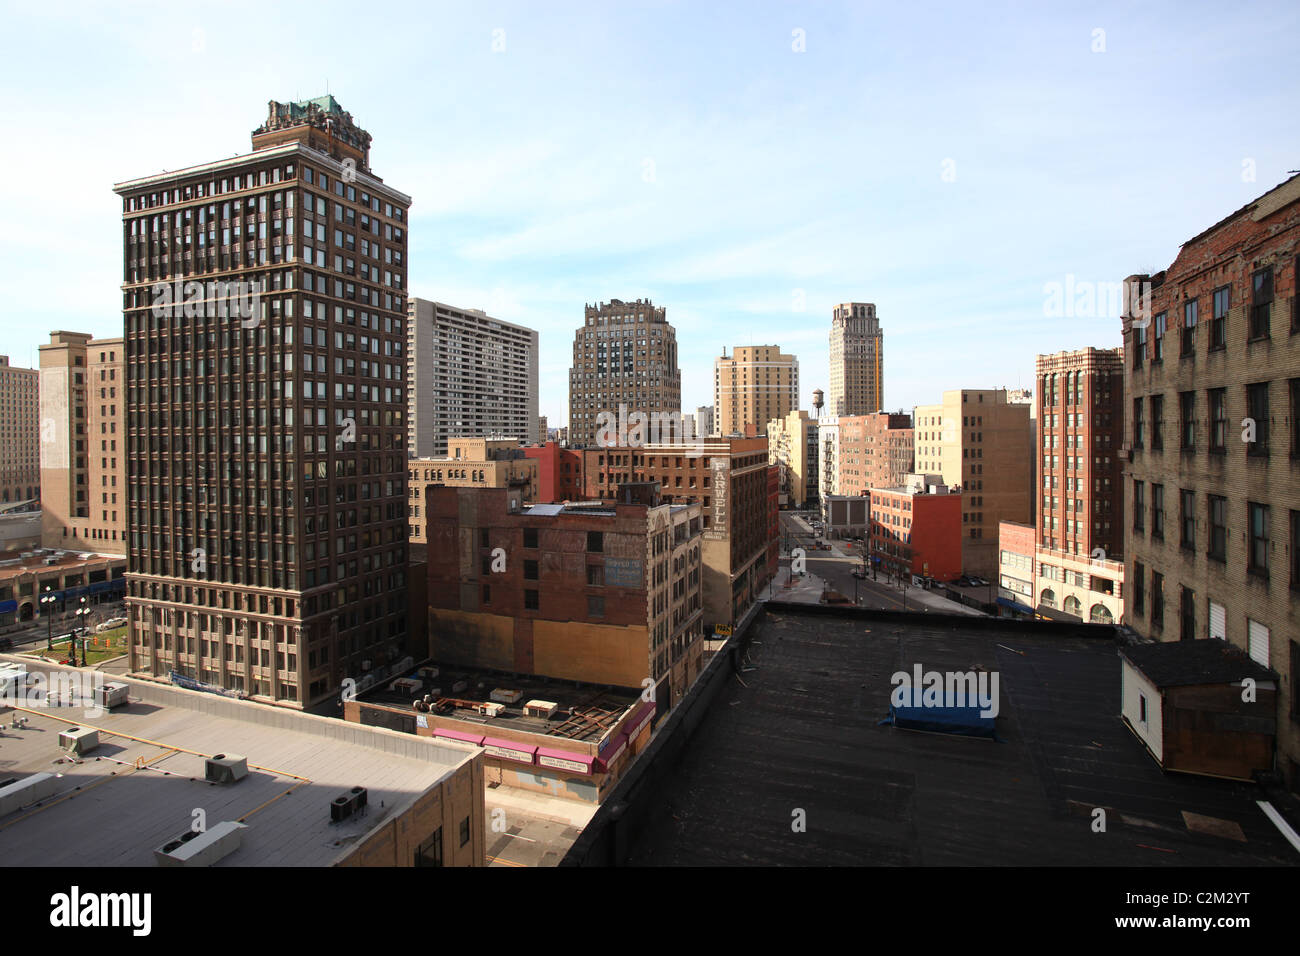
x=1180, y=663
x=801, y=733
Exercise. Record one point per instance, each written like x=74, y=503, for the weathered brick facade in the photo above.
x=1213, y=516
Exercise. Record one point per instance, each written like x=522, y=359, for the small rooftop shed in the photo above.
x=1200, y=706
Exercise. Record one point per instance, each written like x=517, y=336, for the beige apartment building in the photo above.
x=980, y=442
x=625, y=354
x=857, y=360
x=20, y=434
x=83, y=443
x=792, y=446
x=1212, y=447
x=470, y=463
x=753, y=386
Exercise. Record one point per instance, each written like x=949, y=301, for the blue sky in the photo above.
x=685, y=152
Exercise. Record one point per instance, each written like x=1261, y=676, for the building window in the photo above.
x=1158, y=346
x=1157, y=423
x=1139, y=351
x=1138, y=431
x=1258, y=563
x=1139, y=588
x=530, y=600
x=1158, y=511
x=1142, y=708
x=1219, y=321
x=1218, y=403
x=464, y=831
x=595, y=605
x=1261, y=301
x=530, y=570
x=596, y=541
x=1295, y=414
x=1189, y=327
x=1188, y=615
x=429, y=853
x=1295, y=550
x=1257, y=411
x=1218, y=528
x=1187, y=507
x=1157, y=599
x=530, y=537
x=1139, y=506
x=1187, y=420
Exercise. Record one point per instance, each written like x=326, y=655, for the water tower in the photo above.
x=819, y=401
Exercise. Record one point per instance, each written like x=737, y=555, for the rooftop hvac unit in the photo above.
x=407, y=685
x=541, y=708
x=113, y=695
x=348, y=804
x=429, y=673
x=225, y=768
x=27, y=791
x=78, y=740
x=507, y=695
x=201, y=849
x=490, y=709
x=459, y=686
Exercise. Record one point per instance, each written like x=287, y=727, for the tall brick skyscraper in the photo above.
x=625, y=353
x=265, y=304
x=1212, y=447
x=857, y=360
x=1080, y=540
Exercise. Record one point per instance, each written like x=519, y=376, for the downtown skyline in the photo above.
x=743, y=184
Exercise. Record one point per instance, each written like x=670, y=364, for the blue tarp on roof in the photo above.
x=947, y=718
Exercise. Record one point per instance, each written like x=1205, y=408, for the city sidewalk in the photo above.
x=541, y=806
x=808, y=588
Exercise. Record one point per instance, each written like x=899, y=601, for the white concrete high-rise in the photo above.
x=469, y=375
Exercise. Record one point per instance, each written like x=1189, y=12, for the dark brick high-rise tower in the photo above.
x=264, y=299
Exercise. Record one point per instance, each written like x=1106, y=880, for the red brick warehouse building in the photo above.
x=916, y=529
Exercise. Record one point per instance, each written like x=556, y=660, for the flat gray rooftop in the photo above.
x=142, y=786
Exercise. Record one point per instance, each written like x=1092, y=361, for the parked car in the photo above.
x=859, y=573
x=110, y=624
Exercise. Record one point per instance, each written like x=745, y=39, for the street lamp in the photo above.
x=83, y=622
x=47, y=609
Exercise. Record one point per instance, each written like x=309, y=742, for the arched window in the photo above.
x=1073, y=606
x=1049, y=598
x=1100, y=614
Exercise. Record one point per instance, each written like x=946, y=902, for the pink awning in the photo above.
x=638, y=720
x=475, y=739
x=525, y=752
x=569, y=756
x=612, y=750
